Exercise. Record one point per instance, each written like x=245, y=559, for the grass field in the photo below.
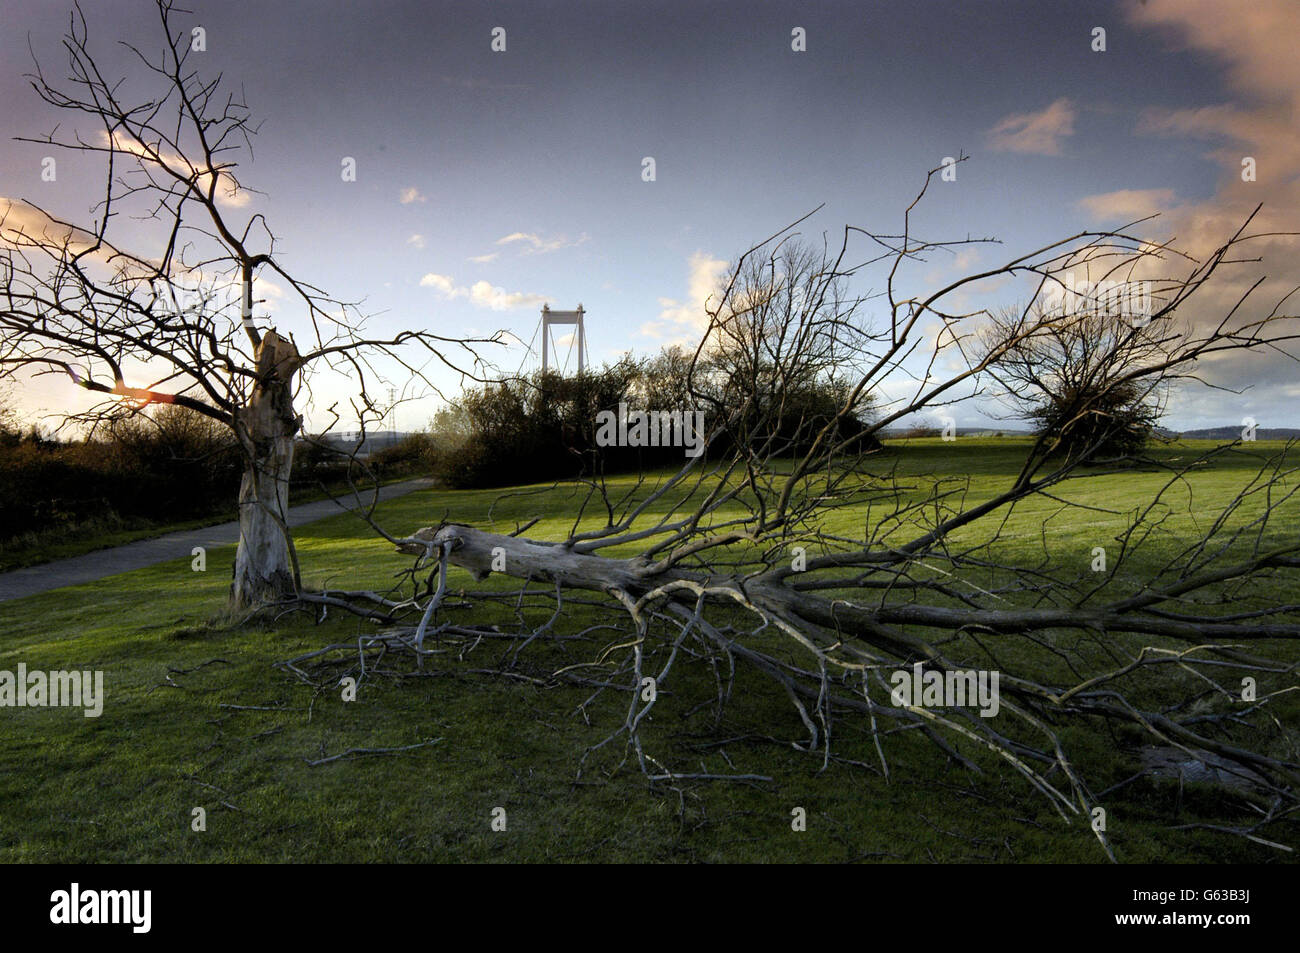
x=196, y=716
x=76, y=539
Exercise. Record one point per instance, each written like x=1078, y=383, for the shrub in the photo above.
x=1103, y=422
x=413, y=454
x=544, y=427
x=174, y=464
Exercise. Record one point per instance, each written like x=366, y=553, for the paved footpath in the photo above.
x=148, y=552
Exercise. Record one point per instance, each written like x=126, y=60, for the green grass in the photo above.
x=68, y=540
x=122, y=787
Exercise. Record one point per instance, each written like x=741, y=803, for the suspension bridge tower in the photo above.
x=550, y=318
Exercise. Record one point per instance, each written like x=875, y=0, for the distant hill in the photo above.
x=375, y=440
x=901, y=433
x=1205, y=433
x=1234, y=433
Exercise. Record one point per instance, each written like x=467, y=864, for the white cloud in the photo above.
x=962, y=262
x=518, y=237
x=486, y=295
x=412, y=194
x=1036, y=133
x=442, y=282
x=266, y=292
x=416, y=240
x=1127, y=204
x=539, y=245
x=28, y=226
x=227, y=193
x=21, y=224
x=483, y=294
x=533, y=243
x=684, y=321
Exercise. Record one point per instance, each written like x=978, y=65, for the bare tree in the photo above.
x=831, y=579
x=1070, y=375
x=77, y=300
x=779, y=341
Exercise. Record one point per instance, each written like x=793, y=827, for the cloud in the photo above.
x=227, y=193
x=264, y=287
x=1255, y=49
x=1256, y=43
x=1035, y=133
x=214, y=290
x=416, y=240
x=29, y=227
x=1127, y=204
x=684, y=321
x=961, y=262
x=443, y=283
x=483, y=294
x=412, y=194
x=533, y=243
x=518, y=237
x=538, y=245
x=21, y=224
x=486, y=295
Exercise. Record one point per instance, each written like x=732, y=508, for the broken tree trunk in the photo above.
x=264, y=561
x=483, y=553
x=801, y=614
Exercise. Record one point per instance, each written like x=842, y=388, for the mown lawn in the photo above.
x=123, y=787
x=64, y=541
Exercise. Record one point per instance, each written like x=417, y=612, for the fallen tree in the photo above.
x=831, y=571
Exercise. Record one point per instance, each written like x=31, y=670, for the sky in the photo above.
x=491, y=182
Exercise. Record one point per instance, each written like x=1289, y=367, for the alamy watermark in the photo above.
x=56, y=689
x=76, y=906
x=651, y=428
x=946, y=689
x=1129, y=299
